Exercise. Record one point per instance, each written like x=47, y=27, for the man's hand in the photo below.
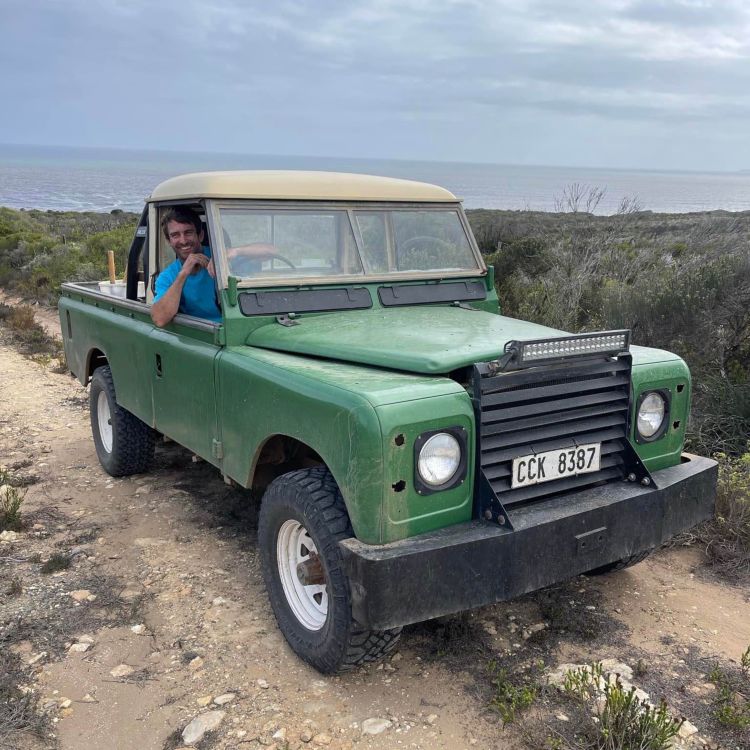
x=167, y=307
x=193, y=264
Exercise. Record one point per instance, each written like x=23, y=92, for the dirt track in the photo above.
x=174, y=552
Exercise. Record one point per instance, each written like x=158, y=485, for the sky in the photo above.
x=604, y=83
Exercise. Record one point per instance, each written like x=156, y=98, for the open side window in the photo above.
x=160, y=253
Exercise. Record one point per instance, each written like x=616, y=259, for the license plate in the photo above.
x=550, y=465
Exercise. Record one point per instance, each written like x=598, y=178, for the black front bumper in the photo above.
x=478, y=563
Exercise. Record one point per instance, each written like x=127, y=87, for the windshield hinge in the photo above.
x=287, y=320
x=232, y=290
x=464, y=306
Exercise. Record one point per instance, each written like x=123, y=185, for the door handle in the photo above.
x=158, y=365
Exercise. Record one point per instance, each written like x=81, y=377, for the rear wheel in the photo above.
x=302, y=520
x=124, y=444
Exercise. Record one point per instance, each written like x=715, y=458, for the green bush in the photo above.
x=679, y=282
x=11, y=500
x=623, y=721
x=731, y=705
x=39, y=250
x=511, y=694
x=727, y=536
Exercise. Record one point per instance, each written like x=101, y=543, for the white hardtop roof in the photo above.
x=291, y=185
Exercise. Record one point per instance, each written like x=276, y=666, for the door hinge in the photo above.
x=217, y=449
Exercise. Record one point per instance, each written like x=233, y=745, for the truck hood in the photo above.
x=424, y=339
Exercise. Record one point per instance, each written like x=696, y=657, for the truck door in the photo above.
x=183, y=385
x=183, y=388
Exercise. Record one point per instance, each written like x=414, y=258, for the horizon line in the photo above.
x=131, y=149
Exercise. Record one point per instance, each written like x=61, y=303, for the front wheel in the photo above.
x=302, y=520
x=124, y=444
x=626, y=562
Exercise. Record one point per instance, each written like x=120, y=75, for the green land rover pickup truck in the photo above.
x=417, y=452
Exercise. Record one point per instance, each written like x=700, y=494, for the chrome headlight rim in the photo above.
x=424, y=487
x=665, y=396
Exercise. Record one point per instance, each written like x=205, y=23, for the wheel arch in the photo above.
x=280, y=453
x=95, y=358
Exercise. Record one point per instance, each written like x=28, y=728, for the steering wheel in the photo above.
x=249, y=264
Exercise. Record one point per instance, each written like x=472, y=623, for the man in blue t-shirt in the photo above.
x=186, y=285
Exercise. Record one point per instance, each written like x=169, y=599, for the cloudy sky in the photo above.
x=659, y=83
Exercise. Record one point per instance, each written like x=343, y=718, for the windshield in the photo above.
x=403, y=241
x=281, y=243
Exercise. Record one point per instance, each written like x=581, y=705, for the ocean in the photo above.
x=93, y=179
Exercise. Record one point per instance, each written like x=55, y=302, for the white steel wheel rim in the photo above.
x=104, y=417
x=308, y=603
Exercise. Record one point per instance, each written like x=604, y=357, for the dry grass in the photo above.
x=18, y=712
x=29, y=336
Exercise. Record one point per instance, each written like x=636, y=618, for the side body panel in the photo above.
x=120, y=333
x=184, y=392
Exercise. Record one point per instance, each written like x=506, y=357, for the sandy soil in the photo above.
x=171, y=561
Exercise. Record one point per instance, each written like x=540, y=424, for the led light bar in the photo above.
x=603, y=343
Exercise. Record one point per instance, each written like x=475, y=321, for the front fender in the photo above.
x=260, y=397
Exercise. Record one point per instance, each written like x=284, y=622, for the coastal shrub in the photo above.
x=679, y=282
x=513, y=693
x=28, y=335
x=727, y=536
x=731, y=703
x=622, y=721
x=11, y=500
x=41, y=249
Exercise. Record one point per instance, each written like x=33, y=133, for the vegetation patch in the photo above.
x=11, y=500
x=680, y=282
x=732, y=705
x=39, y=250
x=513, y=693
x=727, y=536
x=29, y=337
x=18, y=704
x=621, y=719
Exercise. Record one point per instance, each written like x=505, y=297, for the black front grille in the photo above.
x=548, y=408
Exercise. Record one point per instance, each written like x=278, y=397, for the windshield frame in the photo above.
x=213, y=215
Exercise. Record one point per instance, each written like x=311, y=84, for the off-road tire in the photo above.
x=311, y=498
x=626, y=562
x=132, y=441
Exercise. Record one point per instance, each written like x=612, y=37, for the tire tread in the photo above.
x=321, y=500
x=133, y=441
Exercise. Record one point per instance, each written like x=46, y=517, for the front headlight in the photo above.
x=652, y=411
x=439, y=459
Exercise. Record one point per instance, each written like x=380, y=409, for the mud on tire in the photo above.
x=302, y=520
x=124, y=444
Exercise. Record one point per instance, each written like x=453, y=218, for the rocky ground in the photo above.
x=149, y=627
